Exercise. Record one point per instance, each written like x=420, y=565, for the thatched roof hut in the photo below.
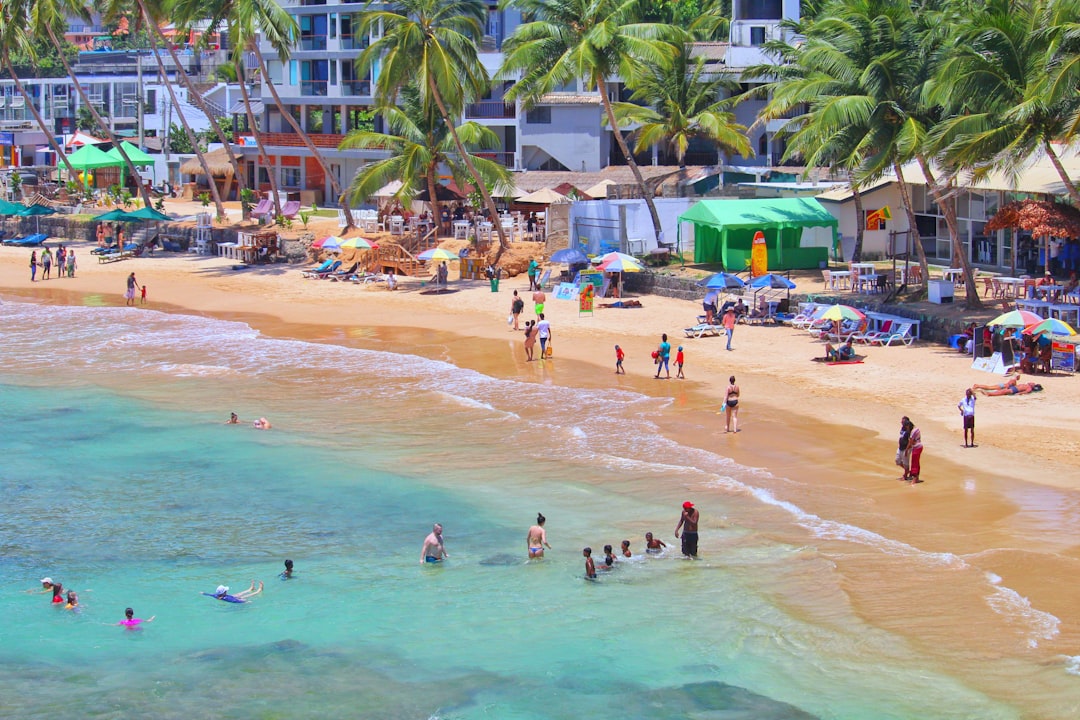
x=220, y=169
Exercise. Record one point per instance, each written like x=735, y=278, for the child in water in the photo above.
x=287, y=574
x=652, y=545
x=609, y=558
x=590, y=566
x=626, y=549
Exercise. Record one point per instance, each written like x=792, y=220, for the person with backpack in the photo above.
x=517, y=306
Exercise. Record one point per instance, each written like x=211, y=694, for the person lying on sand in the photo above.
x=1012, y=389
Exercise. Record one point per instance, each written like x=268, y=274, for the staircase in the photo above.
x=216, y=111
x=401, y=261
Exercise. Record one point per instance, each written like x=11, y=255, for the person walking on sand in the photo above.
x=433, y=550
x=536, y=538
x=679, y=360
x=688, y=523
x=33, y=266
x=916, y=447
x=731, y=406
x=71, y=266
x=729, y=324
x=129, y=294
x=539, y=298
x=543, y=331
x=902, y=446
x=46, y=263
x=530, y=339
x=517, y=305
x=619, y=357
x=663, y=356
x=534, y=268
x=967, y=412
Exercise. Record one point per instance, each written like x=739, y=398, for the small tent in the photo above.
x=798, y=232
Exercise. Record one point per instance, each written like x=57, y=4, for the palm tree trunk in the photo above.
x=602, y=87
x=50, y=135
x=339, y=196
x=913, y=232
x=197, y=97
x=263, y=157
x=1074, y=193
x=948, y=206
x=467, y=159
x=860, y=224
x=183, y=119
x=93, y=112
x=435, y=219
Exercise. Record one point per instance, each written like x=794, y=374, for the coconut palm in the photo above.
x=13, y=37
x=43, y=17
x=433, y=44
x=256, y=131
x=593, y=40
x=1062, y=20
x=419, y=143
x=682, y=104
x=994, y=85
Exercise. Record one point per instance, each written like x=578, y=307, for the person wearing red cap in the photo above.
x=688, y=524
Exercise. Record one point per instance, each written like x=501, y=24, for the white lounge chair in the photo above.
x=701, y=330
x=902, y=334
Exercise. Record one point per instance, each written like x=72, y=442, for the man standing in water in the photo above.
x=536, y=539
x=688, y=524
x=433, y=551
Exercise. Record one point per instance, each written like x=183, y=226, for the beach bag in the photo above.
x=510, y=319
x=550, y=351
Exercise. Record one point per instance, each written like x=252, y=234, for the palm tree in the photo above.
x=995, y=84
x=433, y=43
x=13, y=37
x=1062, y=20
x=419, y=142
x=594, y=40
x=683, y=104
x=44, y=17
x=256, y=131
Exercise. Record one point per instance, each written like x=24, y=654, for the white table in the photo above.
x=1039, y=307
x=862, y=267
x=956, y=275
x=1065, y=312
x=839, y=279
x=461, y=229
x=868, y=282
x=1010, y=285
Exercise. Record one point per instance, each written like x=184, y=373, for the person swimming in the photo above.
x=262, y=424
x=131, y=622
x=72, y=601
x=233, y=419
x=222, y=593
x=652, y=545
x=288, y=572
x=58, y=594
x=609, y=558
x=626, y=549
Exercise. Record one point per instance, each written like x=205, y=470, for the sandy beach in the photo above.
x=834, y=428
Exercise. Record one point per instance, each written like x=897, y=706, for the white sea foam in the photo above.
x=1072, y=664
x=1013, y=606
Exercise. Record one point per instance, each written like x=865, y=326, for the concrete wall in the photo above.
x=630, y=219
x=573, y=137
x=875, y=242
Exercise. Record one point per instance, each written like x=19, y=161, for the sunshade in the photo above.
x=89, y=157
x=115, y=216
x=842, y=312
x=722, y=281
x=1054, y=326
x=437, y=254
x=618, y=262
x=328, y=243
x=36, y=210
x=137, y=156
x=442, y=194
x=389, y=189
x=508, y=191
x=599, y=191
x=770, y=280
x=10, y=208
x=149, y=213
x=544, y=196
x=571, y=256
x=1016, y=319
x=358, y=243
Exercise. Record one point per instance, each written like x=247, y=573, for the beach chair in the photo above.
x=325, y=273
x=289, y=209
x=871, y=336
x=902, y=334
x=343, y=274
x=263, y=208
x=701, y=330
x=311, y=272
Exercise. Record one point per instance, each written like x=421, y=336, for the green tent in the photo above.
x=724, y=232
x=89, y=157
x=138, y=157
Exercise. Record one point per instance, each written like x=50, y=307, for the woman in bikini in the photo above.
x=536, y=539
x=731, y=406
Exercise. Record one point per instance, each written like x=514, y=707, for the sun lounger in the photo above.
x=901, y=335
x=343, y=274
x=325, y=273
x=326, y=265
x=28, y=241
x=701, y=330
x=289, y=209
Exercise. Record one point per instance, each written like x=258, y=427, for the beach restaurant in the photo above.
x=799, y=232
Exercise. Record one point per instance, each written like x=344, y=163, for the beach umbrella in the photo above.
x=329, y=242
x=722, y=281
x=36, y=211
x=437, y=254
x=117, y=215
x=148, y=214
x=10, y=208
x=771, y=281
x=570, y=256
x=1015, y=319
x=617, y=262
x=358, y=243
x=1054, y=326
x=544, y=196
x=838, y=313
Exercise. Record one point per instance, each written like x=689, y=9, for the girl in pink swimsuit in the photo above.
x=130, y=621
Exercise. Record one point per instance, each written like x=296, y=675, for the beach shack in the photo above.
x=799, y=232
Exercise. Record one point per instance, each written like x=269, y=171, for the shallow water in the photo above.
x=120, y=481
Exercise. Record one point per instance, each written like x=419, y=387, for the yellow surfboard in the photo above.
x=759, y=256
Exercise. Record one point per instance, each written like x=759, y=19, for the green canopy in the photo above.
x=138, y=157
x=116, y=216
x=724, y=231
x=89, y=157
x=35, y=210
x=149, y=213
x=10, y=208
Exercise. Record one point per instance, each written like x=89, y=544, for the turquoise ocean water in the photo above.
x=119, y=480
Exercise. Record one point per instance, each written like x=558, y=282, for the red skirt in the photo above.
x=916, y=453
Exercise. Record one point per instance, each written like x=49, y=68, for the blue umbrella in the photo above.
x=570, y=256
x=722, y=281
x=775, y=282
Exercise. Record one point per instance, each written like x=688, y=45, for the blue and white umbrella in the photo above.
x=722, y=281
x=772, y=281
x=570, y=256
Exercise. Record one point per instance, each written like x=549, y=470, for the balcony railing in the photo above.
x=320, y=140
x=353, y=42
x=356, y=88
x=489, y=109
x=506, y=159
x=312, y=42
x=314, y=87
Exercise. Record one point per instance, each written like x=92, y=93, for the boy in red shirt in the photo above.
x=679, y=362
x=619, y=356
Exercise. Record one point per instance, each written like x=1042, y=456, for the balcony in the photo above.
x=271, y=140
x=506, y=159
x=314, y=88
x=312, y=42
x=356, y=88
x=353, y=42
x=490, y=109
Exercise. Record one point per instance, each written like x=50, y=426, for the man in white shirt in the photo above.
x=967, y=411
x=543, y=331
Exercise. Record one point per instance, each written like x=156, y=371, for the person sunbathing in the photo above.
x=1012, y=381
x=1014, y=389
